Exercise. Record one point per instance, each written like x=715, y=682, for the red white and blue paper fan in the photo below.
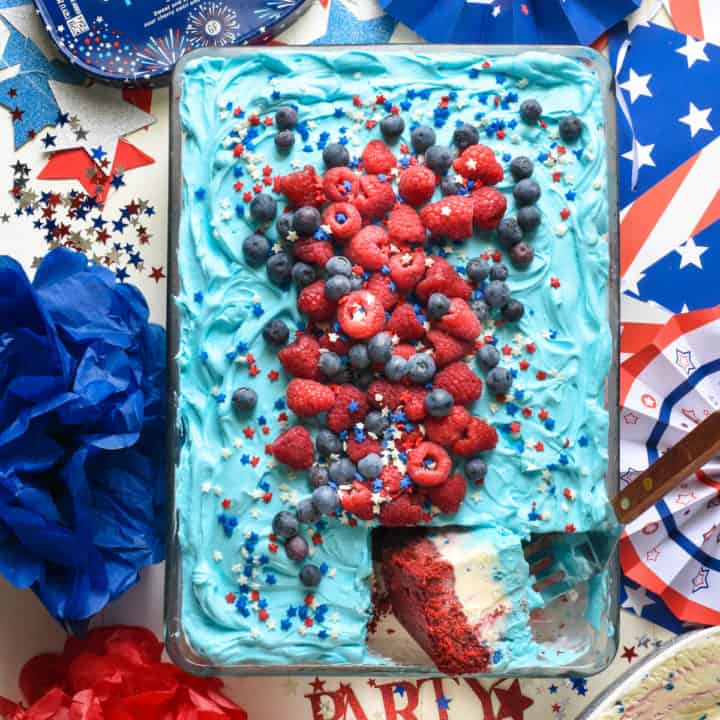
x=667, y=388
x=508, y=21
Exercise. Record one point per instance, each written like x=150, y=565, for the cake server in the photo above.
x=560, y=560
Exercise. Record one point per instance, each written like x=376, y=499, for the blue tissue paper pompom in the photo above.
x=82, y=434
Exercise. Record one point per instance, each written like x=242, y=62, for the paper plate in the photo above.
x=139, y=41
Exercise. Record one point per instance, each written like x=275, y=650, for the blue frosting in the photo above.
x=242, y=601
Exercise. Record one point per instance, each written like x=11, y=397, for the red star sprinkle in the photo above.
x=254, y=370
x=557, y=176
x=496, y=256
x=237, y=111
x=506, y=350
x=238, y=150
x=265, y=430
x=273, y=375
x=541, y=375
x=486, y=65
x=230, y=598
x=247, y=196
x=567, y=492
x=309, y=599
x=238, y=186
x=530, y=347
x=524, y=364
x=309, y=622
x=357, y=102
x=539, y=447
x=254, y=119
x=554, y=282
x=272, y=547
x=380, y=99
x=565, y=213
x=226, y=503
x=254, y=460
x=267, y=497
x=268, y=121
x=317, y=539
x=370, y=124
x=263, y=615
x=515, y=427
x=282, y=417
x=543, y=414
x=527, y=412
x=254, y=595
x=570, y=528
x=249, y=432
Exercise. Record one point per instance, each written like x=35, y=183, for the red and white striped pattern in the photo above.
x=700, y=18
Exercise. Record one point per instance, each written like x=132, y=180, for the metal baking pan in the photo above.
x=409, y=659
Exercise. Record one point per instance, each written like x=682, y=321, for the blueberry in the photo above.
x=244, y=399
x=362, y=378
x=306, y=221
x=339, y=265
x=438, y=305
x=380, y=348
x=439, y=158
x=513, y=311
x=488, y=356
x=439, y=402
x=497, y=294
x=358, y=356
x=327, y=443
x=521, y=255
x=276, y=332
x=528, y=218
x=342, y=471
x=570, y=128
x=526, y=192
x=370, y=466
x=285, y=524
x=310, y=575
x=279, y=269
x=263, y=208
x=521, y=167
x=449, y=187
x=303, y=275
x=325, y=499
x=317, y=476
x=283, y=225
x=296, y=548
x=481, y=310
x=307, y=512
x=356, y=282
x=465, y=136
x=335, y=155
x=286, y=118
x=421, y=368
x=477, y=270
x=499, y=271
x=329, y=364
x=284, y=140
x=376, y=423
x=422, y=138
x=530, y=111
x=509, y=232
x=475, y=470
x=337, y=286
x=499, y=380
x=256, y=250
x=392, y=127
x=395, y=368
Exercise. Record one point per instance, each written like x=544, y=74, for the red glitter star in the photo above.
x=17, y=114
x=629, y=653
x=157, y=274
x=12, y=92
x=512, y=702
x=318, y=685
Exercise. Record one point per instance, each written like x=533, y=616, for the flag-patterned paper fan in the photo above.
x=667, y=388
x=507, y=21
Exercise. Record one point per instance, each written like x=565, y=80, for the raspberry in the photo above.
x=308, y=397
x=294, y=447
x=333, y=342
x=405, y=226
x=358, y=501
x=341, y=184
x=442, y=277
x=343, y=219
x=358, y=450
x=461, y=321
x=300, y=358
x=451, y=217
x=460, y=381
x=404, y=350
x=428, y=464
x=391, y=478
x=407, y=269
x=301, y=188
x=446, y=348
x=375, y=199
x=350, y=407
x=413, y=399
x=315, y=252
x=478, y=163
x=384, y=394
x=405, y=324
x=377, y=158
x=369, y=248
x=446, y=430
x=477, y=437
x=404, y=510
x=383, y=289
x=449, y=496
x=361, y=314
x=489, y=206
x=417, y=185
x=313, y=302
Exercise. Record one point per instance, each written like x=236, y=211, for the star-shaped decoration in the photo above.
x=642, y=154
x=512, y=702
x=636, y=599
x=690, y=253
x=344, y=27
x=697, y=119
x=683, y=359
x=629, y=653
x=443, y=702
x=630, y=418
x=637, y=85
x=701, y=580
x=693, y=50
x=652, y=554
x=157, y=274
x=318, y=685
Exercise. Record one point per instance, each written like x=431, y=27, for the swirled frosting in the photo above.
x=242, y=601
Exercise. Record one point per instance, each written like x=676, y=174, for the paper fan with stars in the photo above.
x=667, y=389
x=507, y=21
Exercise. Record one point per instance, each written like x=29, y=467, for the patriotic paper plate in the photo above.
x=666, y=389
x=132, y=41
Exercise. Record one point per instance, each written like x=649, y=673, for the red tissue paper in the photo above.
x=115, y=673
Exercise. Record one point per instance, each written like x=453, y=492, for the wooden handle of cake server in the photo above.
x=675, y=465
